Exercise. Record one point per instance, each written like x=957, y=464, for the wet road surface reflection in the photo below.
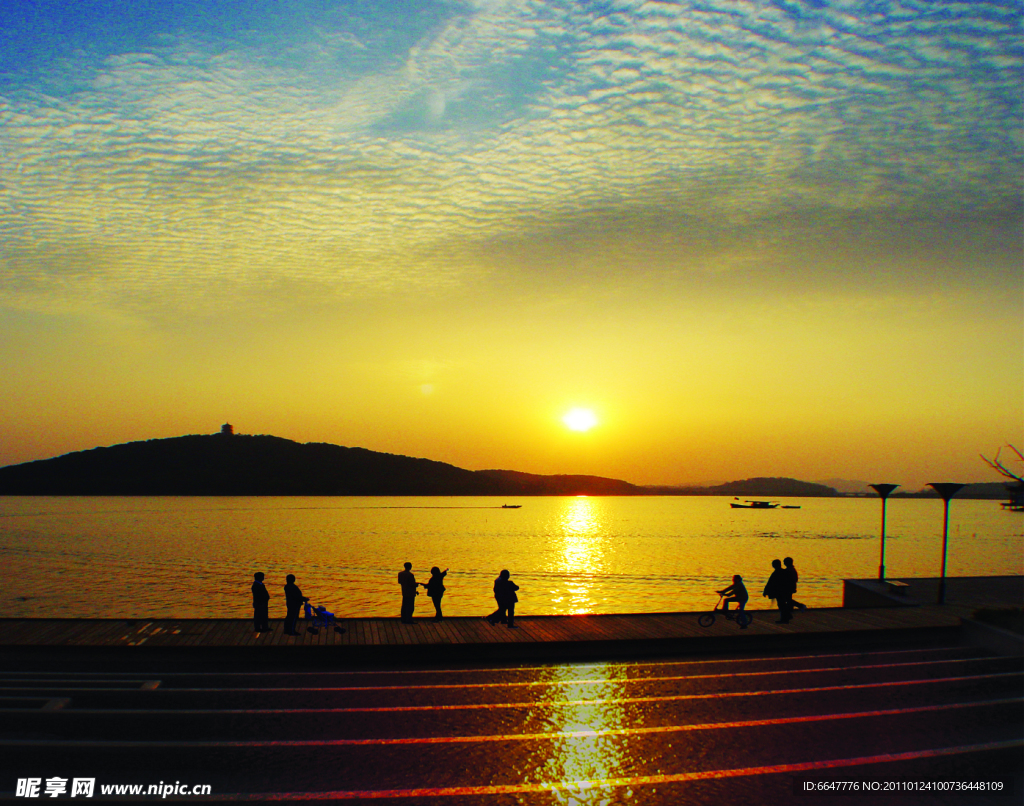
x=585, y=751
x=598, y=733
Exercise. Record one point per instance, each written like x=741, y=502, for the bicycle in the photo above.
x=743, y=618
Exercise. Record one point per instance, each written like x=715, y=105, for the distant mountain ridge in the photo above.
x=850, y=486
x=238, y=464
x=773, y=487
x=532, y=484
x=770, y=487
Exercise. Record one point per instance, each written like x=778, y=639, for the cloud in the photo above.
x=358, y=165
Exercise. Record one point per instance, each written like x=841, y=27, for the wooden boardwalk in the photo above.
x=563, y=632
x=635, y=633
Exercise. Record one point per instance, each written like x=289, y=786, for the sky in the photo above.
x=751, y=238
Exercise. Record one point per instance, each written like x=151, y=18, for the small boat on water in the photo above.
x=511, y=506
x=755, y=505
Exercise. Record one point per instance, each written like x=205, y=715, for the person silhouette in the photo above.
x=260, y=604
x=793, y=578
x=499, y=614
x=736, y=592
x=783, y=592
x=293, y=600
x=409, y=593
x=505, y=595
x=435, y=589
x=778, y=589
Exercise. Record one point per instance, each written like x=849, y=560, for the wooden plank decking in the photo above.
x=376, y=637
x=377, y=632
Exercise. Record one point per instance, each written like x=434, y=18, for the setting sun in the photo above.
x=580, y=419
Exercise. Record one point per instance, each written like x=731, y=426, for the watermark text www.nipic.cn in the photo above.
x=86, y=788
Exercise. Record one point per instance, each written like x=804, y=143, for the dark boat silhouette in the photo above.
x=755, y=505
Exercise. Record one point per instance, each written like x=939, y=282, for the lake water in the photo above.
x=194, y=557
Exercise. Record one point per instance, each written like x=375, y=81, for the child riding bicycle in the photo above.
x=737, y=593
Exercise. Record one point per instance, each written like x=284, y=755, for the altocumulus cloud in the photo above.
x=339, y=161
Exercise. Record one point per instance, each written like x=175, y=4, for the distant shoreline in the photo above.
x=228, y=464
x=967, y=495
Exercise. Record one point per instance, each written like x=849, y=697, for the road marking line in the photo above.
x=47, y=704
x=548, y=667
x=635, y=781
x=535, y=703
x=86, y=685
x=578, y=682
x=49, y=682
x=509, y=737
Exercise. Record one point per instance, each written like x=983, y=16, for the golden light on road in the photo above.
x=585, y=756
x=580, y=419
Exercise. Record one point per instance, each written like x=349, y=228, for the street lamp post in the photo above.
x=947, y=490
x=883, y=490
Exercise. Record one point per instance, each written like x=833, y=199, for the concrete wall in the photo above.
x=872, y=593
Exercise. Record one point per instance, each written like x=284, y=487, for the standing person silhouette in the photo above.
x=260, y=604
x=783, y=588
x=500, y=614
x=409, y=593
x=435, y=590
x=793, y=578
x=778, y=589
x=505, y=595
x=293, y=600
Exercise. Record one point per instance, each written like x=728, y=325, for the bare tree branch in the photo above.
x=997, y=464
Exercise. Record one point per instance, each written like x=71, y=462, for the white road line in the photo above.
x=546, y=667
x=46, y=703
x=535, y=703
x=635, y=781
x=90, y=680
x=85, y=685
x=564, y=683
x=528, y=737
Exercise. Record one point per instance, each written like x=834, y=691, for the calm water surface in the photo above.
x=194, y=557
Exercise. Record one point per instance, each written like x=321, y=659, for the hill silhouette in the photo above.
x=531, y=484
x=238, y=464
x=763, y=487
x=773, y=487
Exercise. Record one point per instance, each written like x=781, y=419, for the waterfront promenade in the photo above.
x=645, y=709
x=909, y=616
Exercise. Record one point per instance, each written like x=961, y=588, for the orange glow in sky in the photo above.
x=765, y=242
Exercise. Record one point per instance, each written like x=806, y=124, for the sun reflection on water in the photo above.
x=582, y=553
x=586, y=710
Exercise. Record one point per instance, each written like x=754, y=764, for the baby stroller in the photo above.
x=320, y=616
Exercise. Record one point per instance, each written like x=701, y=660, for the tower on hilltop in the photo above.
x=227, y=430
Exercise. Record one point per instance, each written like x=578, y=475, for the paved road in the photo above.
x=695, y=730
